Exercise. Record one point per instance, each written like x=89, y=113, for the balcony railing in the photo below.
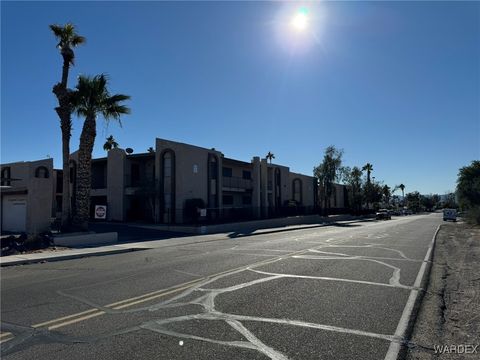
x=237, y=183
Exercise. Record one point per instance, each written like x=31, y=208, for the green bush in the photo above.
x=473, y=216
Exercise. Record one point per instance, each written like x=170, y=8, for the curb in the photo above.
x=125, y=248
x=405, y=326
x=66, y=257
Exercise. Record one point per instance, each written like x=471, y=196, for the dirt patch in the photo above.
x=448, y=323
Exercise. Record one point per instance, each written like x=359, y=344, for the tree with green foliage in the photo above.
x=426, y=202
x=90, y=99
x=387, y=194
x=353, y=178
x=468, y=190
x=67, y=40
x=329, y=171
x=413, y=201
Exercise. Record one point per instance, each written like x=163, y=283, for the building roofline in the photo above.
x=239, y=162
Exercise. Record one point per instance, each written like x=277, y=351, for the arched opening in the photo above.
x=6, y=176
x=42, y=172
x=212, y=183
x=297, y=191
x=278, y=189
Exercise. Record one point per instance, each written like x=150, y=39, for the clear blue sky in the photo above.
x=396, y=84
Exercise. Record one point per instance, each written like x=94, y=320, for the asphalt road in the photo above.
x=333, y=292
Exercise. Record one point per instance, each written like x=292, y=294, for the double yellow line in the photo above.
x=88, y=314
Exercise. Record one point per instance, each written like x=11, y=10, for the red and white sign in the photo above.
x=100, y=212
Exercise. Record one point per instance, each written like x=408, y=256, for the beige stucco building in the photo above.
x=28, y=196
x=158, y=186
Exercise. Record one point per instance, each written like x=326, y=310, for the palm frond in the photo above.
x=56, y=29
x=78, y=40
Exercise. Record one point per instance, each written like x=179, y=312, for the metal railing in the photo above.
x=237, y=183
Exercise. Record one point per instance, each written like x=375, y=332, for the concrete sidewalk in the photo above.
x=67, y=254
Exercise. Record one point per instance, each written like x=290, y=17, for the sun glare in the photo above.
x=299, y=27
x=301, y=19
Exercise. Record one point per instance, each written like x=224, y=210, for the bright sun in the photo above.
x=300, y=20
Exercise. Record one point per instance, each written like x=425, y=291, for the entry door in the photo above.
x=14, y=213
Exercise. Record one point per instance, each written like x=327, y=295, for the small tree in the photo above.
x=329, y=171
x=387, y=194
x=353, y=178
x=413, y=201
x=468, y=186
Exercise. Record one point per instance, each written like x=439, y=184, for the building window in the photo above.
x=297, y=190
x=247, y=175
x=5, y=176
x=41, y=172
x=227, y=172
x=227, y=199
x=247, y=200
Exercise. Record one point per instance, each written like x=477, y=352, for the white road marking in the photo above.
x=394, y=347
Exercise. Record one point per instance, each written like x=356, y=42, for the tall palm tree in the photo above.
x=270, y=156
x=67, y=40
x=110, y=143
x=368, y=188
x=90, y=99
x=368, y=168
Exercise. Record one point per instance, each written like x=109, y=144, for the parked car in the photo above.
x=383, y=214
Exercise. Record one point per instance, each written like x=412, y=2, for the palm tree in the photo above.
x=368, y=188
x=368, y=168
x=270, y=156
x=90, y=99
x=387, y=193
x=67, y=39
x=110, y=143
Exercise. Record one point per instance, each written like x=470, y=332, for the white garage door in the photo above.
x=14, y=212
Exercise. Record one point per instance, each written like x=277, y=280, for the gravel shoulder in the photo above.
x=448, y=322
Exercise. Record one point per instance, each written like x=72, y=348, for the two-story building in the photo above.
x=156, y=186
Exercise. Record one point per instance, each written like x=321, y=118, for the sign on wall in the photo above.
x=100, y=211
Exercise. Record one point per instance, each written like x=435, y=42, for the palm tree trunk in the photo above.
x=82, y=203
x=65, y=68
x=64, y=113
